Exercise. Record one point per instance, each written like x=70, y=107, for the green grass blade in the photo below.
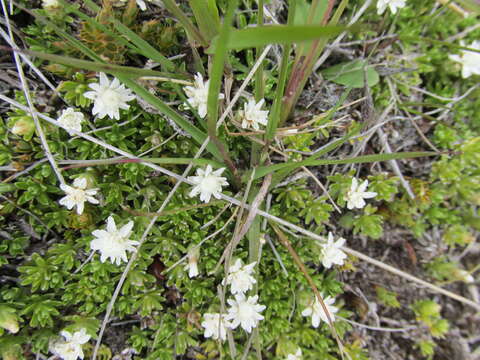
x=280, y=34
x=184, y=161
x=70, y=39
x=98, y=66
x=450, y=45
x=95, y=23
x=215, y=86
x=206, y=15
x=197, y=134
x=281, y=174
x=259, y=82
x=264, y=170
x=217, y=69
x=259, y=91
x=274, y=118
x=144, y=48
x=185, y=21
x=135, y=43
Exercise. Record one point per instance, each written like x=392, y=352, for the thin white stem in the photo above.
x=230, y=219
x=379, y=328
x=25, y=171
x=159, y=145
x=393, y=163
x=26, y=91
x=159, y=78
x=29, y=62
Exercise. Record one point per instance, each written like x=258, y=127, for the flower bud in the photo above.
x=23, y=127
x=464, y=276
x=50, y=5
x=90, y=177
x=192, y=266
x=8, y=319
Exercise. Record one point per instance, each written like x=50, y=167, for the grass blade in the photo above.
x=197, y=134
x=215, y=87
x=280, y=34
x=274, y=119
x=185, y=21
x=98, y=66
x=137, y=44
x=206, y=15
x=264, y=170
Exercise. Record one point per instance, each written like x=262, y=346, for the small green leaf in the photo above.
x=352, y=74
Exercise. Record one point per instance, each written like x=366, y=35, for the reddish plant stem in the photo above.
x=302, y=70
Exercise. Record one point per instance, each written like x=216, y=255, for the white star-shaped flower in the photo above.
x=470, y=60
x=296, y=356
x=215, y=326
x=207, y=183
x=109, y=97
x=192, y=265
x=77, y=195
x=71, y=347
x=394, y=5
x=113, y=243
x=316, y=311
x=198, y=95
x=251, y=116
x=71, y=119
x=244, y=312
x=240, y=278
x=332, y=253
x=357, y=193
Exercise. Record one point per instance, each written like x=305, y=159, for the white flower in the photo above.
x=198, y=95
x=251, y=116
x=394, y=5
x=77, y=195
x=109, y=98
x=244, y=312
x=71, y=120
x=356, y=194
x=332, y=253
x=140, y=3
x=71, y=347
x=317, y=313
x=464, y=276
x=470, y=60
x=215, y=326
x=50, y=4
x=208, y=183
x=296, y=356
x=192, y=265
x=113, y=243
x=240, y=278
